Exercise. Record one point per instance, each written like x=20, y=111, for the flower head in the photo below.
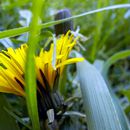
x=49, y=65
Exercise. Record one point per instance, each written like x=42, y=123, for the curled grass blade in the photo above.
x=101, y=111
x=113, y=59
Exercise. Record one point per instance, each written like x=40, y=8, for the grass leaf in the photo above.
x=30, y=75
x=100, y=110
x=16, y=117
x=6, y=121
x=113, y=59
x=18, y=31
x=110, y=61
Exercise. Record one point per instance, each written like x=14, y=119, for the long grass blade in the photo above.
x=113, y=59
x=30, y=75
x=21, y=30
x=100, y=110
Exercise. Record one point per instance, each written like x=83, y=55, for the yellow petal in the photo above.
x=70, y=61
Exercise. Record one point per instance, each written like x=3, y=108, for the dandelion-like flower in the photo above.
x=49, y=67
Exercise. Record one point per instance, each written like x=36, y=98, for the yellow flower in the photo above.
x=49, y=65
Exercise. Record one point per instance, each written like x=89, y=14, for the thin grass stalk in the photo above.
x=21, y=30
x=30, y=75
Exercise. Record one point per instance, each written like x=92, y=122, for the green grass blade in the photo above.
x=113, y=59
x=6, y=121
x=30, y=75
x=100, y=110
x=13, y=32
x=16, y=117
x=99, y=19
x=18, y=31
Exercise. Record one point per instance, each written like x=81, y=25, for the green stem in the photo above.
x=30, y=75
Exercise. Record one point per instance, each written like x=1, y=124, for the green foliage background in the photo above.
x=108, y=33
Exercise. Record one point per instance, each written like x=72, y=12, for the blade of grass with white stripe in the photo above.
x=99, y=106
x=21, y=30
x=30, y=75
